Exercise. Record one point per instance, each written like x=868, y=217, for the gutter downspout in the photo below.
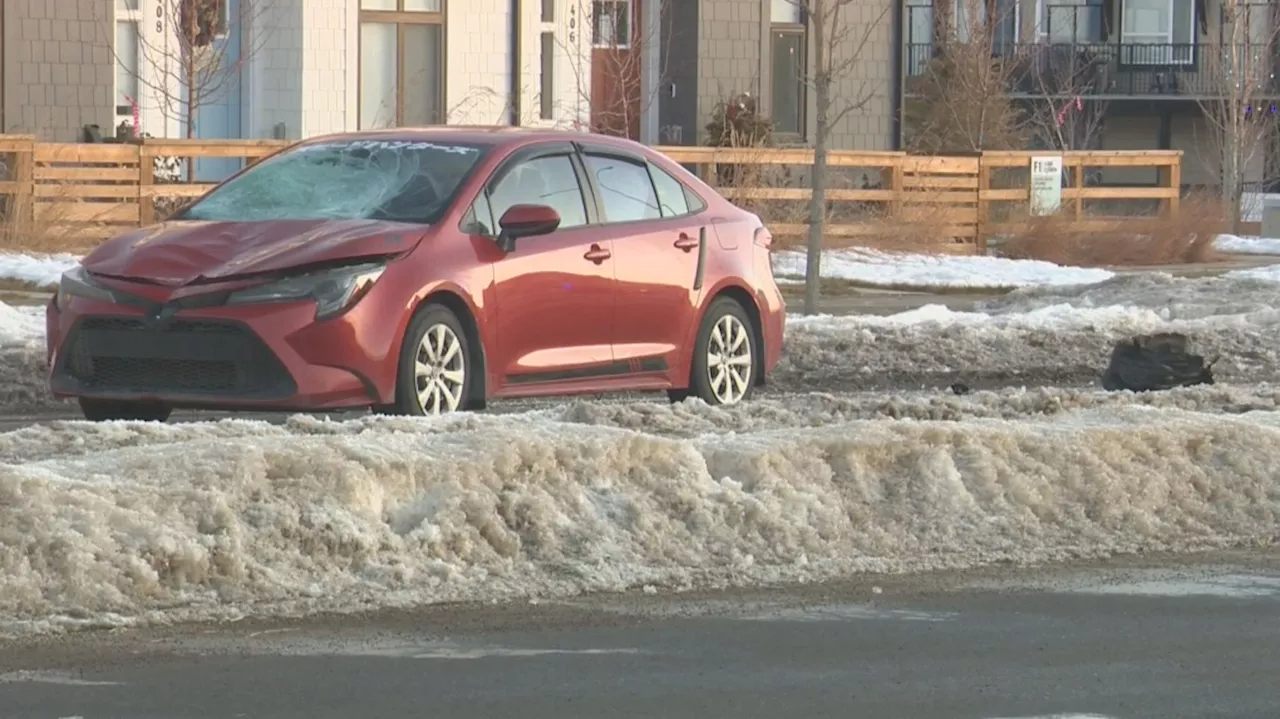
x=513, y=101
x=896, y=74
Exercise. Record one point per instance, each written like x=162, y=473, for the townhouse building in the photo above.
x=293, y=68
x=1149, y=69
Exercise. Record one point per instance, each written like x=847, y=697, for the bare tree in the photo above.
x=1241, y=84
x=191, y=52
x=839, y=32
x=961, y=102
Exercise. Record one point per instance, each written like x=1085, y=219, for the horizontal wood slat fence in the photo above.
x=89, y=192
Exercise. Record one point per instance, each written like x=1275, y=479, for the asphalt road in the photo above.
x=1165, y=639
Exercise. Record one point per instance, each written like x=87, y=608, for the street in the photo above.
x=1165, y=638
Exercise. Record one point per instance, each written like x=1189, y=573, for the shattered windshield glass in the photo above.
x=398, y=180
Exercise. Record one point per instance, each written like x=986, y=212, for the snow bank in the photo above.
x=22, y=359
x=1037, y=336
x=1247, y=245
x=121, y=523
x=884, y=269
x=38, y=269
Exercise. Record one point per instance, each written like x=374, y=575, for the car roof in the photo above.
x=491, y=135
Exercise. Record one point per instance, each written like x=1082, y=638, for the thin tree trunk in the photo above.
x=818, y=200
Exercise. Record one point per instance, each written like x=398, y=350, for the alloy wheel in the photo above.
x=729, y=363
x=440, y=371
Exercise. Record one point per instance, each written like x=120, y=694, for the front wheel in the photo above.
x=724, y=362
x=435, y=365
x=106, y=410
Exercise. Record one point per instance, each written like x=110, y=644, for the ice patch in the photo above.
x=1230, y=586
x=1267, y=273
x=42, y=270
x=51, y=677
x=884, y=269
x=221, y=520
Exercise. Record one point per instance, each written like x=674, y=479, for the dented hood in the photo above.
x=192, y=251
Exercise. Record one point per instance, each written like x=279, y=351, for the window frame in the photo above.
x=1176, y=56
x=623, y=43
x=132, y=17
x=802, y=85
x=401, y=18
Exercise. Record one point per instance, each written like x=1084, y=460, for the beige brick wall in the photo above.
x=58, y=69
x=864, y=55
x=733, y=46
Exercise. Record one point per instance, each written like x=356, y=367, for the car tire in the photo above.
x=725, y=322
x=432, y=386
x=107, y=410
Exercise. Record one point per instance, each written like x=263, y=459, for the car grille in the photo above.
x=184, y=357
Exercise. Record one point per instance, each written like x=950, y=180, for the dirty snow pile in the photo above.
x=884, y=269
x=121, y=523
x=1039, y=335
x=38, y=269
x=22, y=358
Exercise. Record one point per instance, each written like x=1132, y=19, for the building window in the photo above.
x=1070, y=21
x=787, y=75
x=127, y=53
x=401, y=63
x=1158, y=32
x=1260, y=23
x=611, y=23
x=548, y=10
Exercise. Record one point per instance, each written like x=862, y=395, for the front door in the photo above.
x=554, y=292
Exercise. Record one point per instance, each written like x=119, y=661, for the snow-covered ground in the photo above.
x=1248, y=245
x=873, y=267
x=120, y=523
x=42, y=270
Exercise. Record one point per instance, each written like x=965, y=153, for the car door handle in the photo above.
x=686, y=243
x=598, y=254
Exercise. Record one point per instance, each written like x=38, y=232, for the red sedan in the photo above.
x=422, y=271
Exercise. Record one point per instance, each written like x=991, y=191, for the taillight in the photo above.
x=763, y=238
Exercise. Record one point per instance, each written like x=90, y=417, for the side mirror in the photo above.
x=525, y=221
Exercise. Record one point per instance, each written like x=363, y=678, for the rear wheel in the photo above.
x=106, y=410
x=724, y=362
x=435, y=365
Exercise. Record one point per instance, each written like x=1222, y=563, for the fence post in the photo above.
x=984, y=206
x=24, y=175
x=146, y=179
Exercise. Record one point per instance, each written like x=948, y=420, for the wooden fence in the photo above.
x=88, y=192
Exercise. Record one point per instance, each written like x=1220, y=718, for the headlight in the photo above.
x=332, y=290
x=76, y=282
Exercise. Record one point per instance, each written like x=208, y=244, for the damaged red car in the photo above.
x=423, y=271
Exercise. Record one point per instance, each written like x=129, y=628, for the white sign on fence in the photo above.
x=1046, y=184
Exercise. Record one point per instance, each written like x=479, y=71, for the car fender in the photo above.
x=424, y=295
x=708, y=296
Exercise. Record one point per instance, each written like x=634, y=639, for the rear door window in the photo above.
x=625, y=188
x=671, y=193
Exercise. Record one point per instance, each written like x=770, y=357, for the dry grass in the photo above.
x=1186, y=238
x=871, y=225
x=20, y=231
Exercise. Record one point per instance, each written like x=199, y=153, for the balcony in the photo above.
x=1123, y=71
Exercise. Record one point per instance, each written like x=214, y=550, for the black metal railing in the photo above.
x=1122, y=69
